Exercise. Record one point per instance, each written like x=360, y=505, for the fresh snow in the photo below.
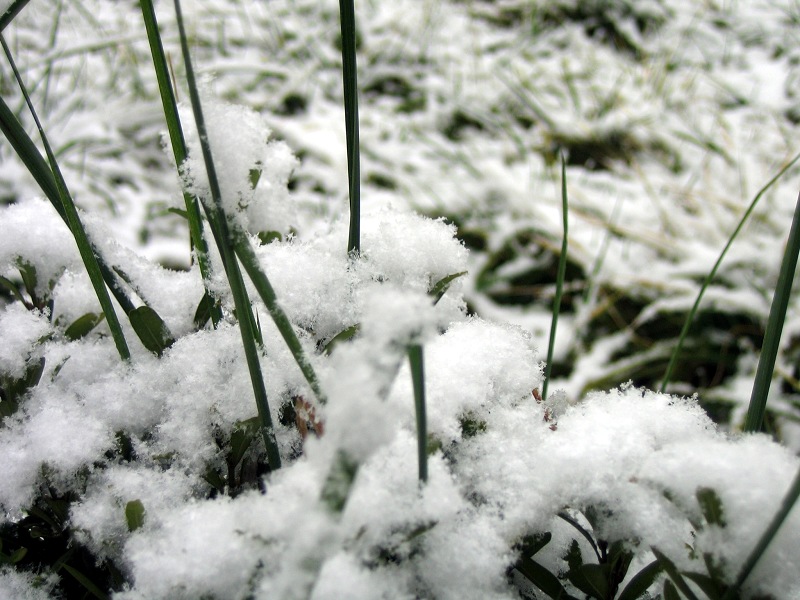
x=464, y=106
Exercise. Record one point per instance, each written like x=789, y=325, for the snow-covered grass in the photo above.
x=150, y=477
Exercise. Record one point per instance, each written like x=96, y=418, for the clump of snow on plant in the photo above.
x=252, y=174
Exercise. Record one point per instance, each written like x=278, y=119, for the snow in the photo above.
x=671, y=124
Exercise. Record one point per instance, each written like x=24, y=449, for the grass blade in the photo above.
x=178, y=145
x=11, y=12
x=562, y=270
x=350, y=79
x=27, y=152
x=772, y=336
x=416, y=362
x=788, y=502
x=222, y=235
x=688, y=323
x=247, y=256
x=74, y=222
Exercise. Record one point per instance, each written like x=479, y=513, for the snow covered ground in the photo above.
x=671, y=114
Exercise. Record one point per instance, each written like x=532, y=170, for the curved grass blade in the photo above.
x=416, y=361
x=178, y=147
x=640, y=583
x=542, y=579
x=788, y=502
x=440, y=288
x=75, y=225
x=349, y=75
x=562, y=270
x=775, y=321
x=690, y=317
x=27, y=152
x=220, y=230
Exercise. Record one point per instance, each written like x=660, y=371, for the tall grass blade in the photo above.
x=27, y=152
x=788, y=502
x=772, y=336
x=349, y=75
x=178, y=145
x=562, y=270
x=75, y=225
x=249, y=260
x=11, y=12
x=240, y=297
x=690, y=317
x=416, y=362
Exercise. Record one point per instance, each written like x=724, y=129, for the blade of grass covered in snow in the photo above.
x=178, y=145
x=240, y=298
x=788, y=502
x=75, y=225
x=11, y=12
x=562, y=269
x=249, y=260
x=27, y=152
x=690, y=317
x=349, y=76
x=416, y=362
x=775, y=321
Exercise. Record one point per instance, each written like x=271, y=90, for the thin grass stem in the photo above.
x=416, y=361
x=775, y=321
x=788, y=502
x=690, y=317
x=350, y=80
x=177, y=140
x=240, y=298
x=73, y=219
x=562, y=270
x=11, y=12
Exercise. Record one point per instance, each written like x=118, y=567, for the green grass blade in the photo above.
x=562, y=270
x=178, y=142
x=11, y=12
x=75, y=225
x=788, y=502
x=249, y=260
x=416, y=362
x=772, y=336
x=690, y=318
x=30, y=156
x=349, y=75
x=240, y=297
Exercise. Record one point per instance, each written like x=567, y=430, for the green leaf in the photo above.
x=244, y=432
x=342, y=336
x=255, y=175
x=591, y=580
x=18, y=555
x=542, y=578
x=134, y=515
x=710, y=588
x=12, y=11
x=641, y=582
x=347, y=20
x=81, y=326
x=215, y=480
x=28, y=273
x=670, y=593
x=85, y=582
x=14, y=389
x=711, y=506
x=582, y=530
x=440, y=288
x=267, y=237
x=13, y=288
x=204, y=311
x=672, y=571
x=151, y=329
x=531, y=544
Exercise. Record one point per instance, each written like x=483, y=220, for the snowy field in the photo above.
x=148, y=478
